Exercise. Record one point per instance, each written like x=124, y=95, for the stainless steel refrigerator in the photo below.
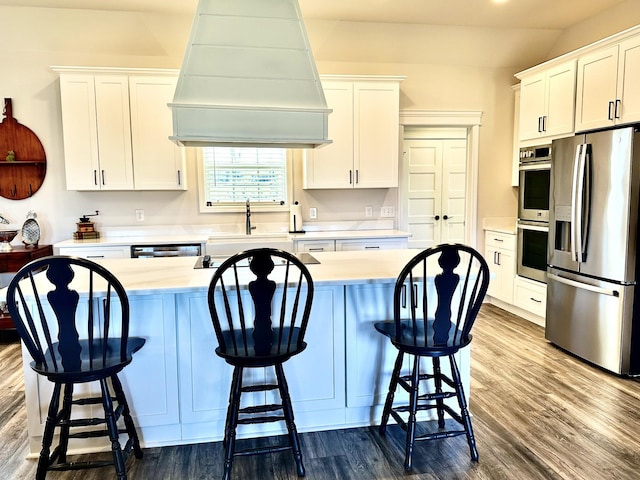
x=592, y=272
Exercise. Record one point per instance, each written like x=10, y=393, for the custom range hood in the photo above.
x=248, y=78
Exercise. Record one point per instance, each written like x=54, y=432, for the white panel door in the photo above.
x=628, y=81
x=434, y=192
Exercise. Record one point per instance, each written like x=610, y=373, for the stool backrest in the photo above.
x=248, y=301
x=438, y=294
x=73, y=303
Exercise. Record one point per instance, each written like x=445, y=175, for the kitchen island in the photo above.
x=178, y=388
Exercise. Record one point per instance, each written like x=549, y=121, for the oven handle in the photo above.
x=529, y=226
x=534, y=166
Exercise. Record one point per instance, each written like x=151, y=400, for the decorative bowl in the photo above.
x=6, y=236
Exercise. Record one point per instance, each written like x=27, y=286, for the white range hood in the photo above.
x=248, y=78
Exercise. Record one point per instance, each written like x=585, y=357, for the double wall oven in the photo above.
x=533, y=211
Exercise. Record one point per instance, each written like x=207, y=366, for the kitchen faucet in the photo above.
x=248, y=226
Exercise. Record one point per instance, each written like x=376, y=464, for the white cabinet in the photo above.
x=150, y=381
x=116, y=126
x=96, y=132
x=500, y=255
x=607, y=92
x=158, y=163
x=96, y=252
x=547, y=102
x=370, y=244
x=530, y=296
x=364, y=128
x=371, y=356
x=205, y=378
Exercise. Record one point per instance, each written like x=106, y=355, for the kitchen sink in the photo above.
x=229, y=244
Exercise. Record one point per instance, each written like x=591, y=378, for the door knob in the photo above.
x=445, y=217
x=437, y=217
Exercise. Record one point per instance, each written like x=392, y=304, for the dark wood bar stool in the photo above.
x=260, y=323
x=436, y=299
x=73, y=317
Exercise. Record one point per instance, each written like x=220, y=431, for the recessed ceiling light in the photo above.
x=499, y=1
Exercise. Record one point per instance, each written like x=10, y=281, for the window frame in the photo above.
x=241, y=206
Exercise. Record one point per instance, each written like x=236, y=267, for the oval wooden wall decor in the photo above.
x=23, y=163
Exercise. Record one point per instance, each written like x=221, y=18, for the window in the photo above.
x=231, y=175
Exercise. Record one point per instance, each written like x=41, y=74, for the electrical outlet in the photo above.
x=368, y=211
x=313, y=213
x=388, y=212
x=140, y=215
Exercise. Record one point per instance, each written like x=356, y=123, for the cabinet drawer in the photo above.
x=316, y=246
x=500, y=240
x=531, y=297
x=371, y=244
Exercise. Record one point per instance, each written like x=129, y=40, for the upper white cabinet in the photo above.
x=607, y=92
x=158, y=163
x=547, y=101
x=116, y=126
x=364, y=128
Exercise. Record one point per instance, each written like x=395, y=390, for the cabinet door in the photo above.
x=500, y=256
x=331, y=166
x=114, y=132
x=628, y=81
x=560, y=100
x=158, y=163
x=79, y=131
x=596, y=89
x=376, y=130
x=532, y=99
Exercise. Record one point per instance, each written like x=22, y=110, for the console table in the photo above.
x=11, y=262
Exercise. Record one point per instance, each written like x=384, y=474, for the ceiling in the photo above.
x=533, y=14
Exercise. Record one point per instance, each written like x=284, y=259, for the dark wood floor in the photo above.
x=538, y=414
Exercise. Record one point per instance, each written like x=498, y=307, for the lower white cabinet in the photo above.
x=205, y=378
x=96, y=252
x=530, y=296
x=371, y=356
x=501, y=256
x=150, y=381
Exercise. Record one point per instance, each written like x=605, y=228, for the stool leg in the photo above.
x=65, y=417
x=232, y=421
x=413, y=408
x=112, y=428
x=437, y=380
x=47, y=436
x=126, y=414
x=393, y=384
x=289, y=420
x=463, y=409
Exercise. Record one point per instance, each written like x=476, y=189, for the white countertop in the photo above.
x=500, y=224
x=146, y=276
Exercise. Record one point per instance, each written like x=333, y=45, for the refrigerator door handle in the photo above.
x=574, y=194
x=577, y=209
x=584, y=286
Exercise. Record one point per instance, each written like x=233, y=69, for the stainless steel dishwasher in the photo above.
x=166, y=250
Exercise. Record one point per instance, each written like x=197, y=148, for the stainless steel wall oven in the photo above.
x=533, y=212
x=535, y=178
x=532, y=238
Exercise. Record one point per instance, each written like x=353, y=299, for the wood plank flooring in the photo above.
x=538, y=413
